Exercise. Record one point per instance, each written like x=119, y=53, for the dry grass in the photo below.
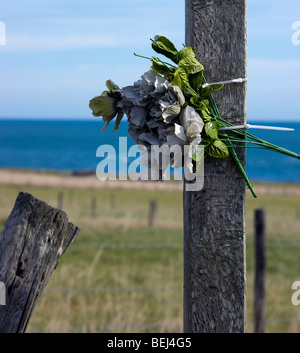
x=111, y=287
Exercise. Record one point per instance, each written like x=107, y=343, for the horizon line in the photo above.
x=94, y=119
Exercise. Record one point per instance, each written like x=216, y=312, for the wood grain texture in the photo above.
x=35, y=236
x=260, y=271
x=214, y=229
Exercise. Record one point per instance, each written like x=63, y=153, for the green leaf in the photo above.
x=205, y=114
x=186, y=51
x=198, y=155
x=164, y=46
x=161, y=68
x=206, y=91
x=180, y=78
x=165, y=41
x=199, y=104
x=191, y=65
x=212, y=128
x=104, y=106
x=112, y=86
x=195, y=102
x=217, y=149
x=118, y=120
x=202, y=107
x=196, y=80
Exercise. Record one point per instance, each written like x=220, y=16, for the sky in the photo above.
x=59, y=53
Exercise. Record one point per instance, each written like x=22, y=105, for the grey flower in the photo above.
x=157, y=115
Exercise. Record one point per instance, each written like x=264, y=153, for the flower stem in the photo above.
x=239, y=165
x=231, y=148
x=142, y=56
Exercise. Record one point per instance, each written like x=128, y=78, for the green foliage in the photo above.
x=198, y=155
x=104, y=106
x=202, y=107
x=186, y=52
x=217, y=149
x=189, y=72
x=188, y=77
x=211, y=129
x=196, y=80
x=180, y=78
x=163, y=45
x=205, y=114
x=118, y=120
x=208, y=90
x=191, y=65
x=112, y=86
x=160, y=68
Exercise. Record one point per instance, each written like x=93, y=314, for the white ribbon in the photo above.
x=235, y=80
x=262, y=127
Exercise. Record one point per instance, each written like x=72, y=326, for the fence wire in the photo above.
x=162, y=245
x=129, y=245
x=113, y=290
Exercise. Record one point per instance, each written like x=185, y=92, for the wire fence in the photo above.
x=129, y=245
x=93, y=211
x=171, y=324
x=163, y=245
x=114, y=290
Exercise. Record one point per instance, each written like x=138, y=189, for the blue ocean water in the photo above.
x=72, y=146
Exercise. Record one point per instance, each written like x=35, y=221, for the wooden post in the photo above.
x=93, y=207
x=214, y=222
x=2, y=293
x=260, y=272
x=60, y=200
x=35, y=236
x=112, y=201
x=152, y=212
x=71, y=198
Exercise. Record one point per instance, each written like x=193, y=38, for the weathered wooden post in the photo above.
x=152, y=212
x=214, y=222
x=112, y=201
x=60, y=200
x=35, y=236
x=260, y=271
x=93, y=207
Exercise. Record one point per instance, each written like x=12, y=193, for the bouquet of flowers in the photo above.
x=172, y=105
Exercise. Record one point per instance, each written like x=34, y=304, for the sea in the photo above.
x=71, y=146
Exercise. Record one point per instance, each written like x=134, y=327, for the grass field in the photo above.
x=120, y=275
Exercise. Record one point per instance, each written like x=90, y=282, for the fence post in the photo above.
x=214, y=220
x=2, y=293
x=60, y=200
x=152, y=212
x=112, y=201
x=260, y=272
x=93, y=207
x=35, y=236
x=70, y=198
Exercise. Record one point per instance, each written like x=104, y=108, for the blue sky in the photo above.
x=59, y=53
